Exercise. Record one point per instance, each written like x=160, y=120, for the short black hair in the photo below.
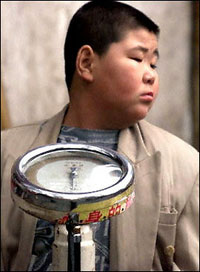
x=98, y=24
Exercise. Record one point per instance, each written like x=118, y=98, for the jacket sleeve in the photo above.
x=187, y=236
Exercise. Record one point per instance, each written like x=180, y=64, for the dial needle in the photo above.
x=73, y=175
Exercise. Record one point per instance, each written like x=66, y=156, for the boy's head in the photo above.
x=99, y=24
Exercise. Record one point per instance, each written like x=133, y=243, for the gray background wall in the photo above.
x=32, y=39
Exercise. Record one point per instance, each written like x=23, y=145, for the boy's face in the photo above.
x=125, y=78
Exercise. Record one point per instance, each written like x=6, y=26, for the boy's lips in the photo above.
x=148, y=96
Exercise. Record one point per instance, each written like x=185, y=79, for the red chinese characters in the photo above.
x=93, y=217
x=114, y=210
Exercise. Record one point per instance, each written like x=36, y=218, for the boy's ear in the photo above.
x=84, y=63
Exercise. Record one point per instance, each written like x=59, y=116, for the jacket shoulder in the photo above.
x=170, y=146
x=18, y=139
x=164, y=138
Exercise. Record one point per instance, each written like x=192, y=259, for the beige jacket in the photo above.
x=158, y=232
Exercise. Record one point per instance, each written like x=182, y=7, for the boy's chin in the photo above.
x=139, y=115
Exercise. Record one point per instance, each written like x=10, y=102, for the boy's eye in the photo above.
x=153, y=66
x=137, y=59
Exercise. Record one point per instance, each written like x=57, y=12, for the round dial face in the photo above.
x=74, y=173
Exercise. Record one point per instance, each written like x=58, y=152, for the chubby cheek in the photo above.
x=125, y=81
x=129, y=86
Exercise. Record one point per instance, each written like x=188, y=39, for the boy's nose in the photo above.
x=149, y=77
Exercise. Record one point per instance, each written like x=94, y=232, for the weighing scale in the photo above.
x=73, y=185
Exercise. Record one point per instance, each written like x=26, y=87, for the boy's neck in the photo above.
x=83, y=112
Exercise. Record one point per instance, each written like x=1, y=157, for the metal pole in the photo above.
x=74, y=243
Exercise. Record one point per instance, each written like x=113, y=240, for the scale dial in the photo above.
x=72, y=173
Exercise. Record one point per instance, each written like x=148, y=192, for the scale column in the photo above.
x=87, y=249
x=60, y=249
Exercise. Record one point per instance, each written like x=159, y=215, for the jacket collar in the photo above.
x=136, y=148
x=49, y=130
x=131, y=144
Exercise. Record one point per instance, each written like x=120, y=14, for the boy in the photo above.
x=111, y=51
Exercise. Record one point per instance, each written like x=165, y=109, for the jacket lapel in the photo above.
x=48, y=134
x=133, y=233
